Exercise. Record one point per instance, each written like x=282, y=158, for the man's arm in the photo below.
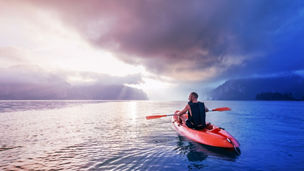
x=184, y=110
x=206, y=109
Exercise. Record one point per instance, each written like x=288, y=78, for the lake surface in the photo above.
x=114, y=135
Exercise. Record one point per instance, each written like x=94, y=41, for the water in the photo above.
x=113, y=135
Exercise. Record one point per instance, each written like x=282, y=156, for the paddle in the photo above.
x=160, y=116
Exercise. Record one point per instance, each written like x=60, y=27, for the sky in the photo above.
x=164, y=49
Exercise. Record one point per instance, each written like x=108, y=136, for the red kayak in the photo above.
x=211, y=135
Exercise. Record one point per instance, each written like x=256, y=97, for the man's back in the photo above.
x=197, y=114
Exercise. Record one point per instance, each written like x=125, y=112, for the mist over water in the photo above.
x=114, y=135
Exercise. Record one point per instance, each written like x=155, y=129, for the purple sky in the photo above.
x=157, y=46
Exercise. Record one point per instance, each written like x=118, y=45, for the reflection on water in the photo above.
x=196, y=153
x=113, y=135
x=23, y=105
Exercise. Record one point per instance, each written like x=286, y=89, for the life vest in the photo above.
x=198, y=114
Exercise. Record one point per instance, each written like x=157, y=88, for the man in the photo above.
x=196, y=112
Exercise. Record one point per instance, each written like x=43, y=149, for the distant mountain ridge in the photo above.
x=33, y=83
x=62, y=91
x=249, y=88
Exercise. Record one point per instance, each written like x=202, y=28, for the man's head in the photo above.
x=193, y=96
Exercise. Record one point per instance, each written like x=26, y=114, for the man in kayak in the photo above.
x=196, y=112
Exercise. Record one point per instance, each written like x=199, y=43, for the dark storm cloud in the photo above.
x=176, y=37
x=31, y=83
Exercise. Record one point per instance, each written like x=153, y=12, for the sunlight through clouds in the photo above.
x=43, y=40
x=149, y=47
x=53, y=46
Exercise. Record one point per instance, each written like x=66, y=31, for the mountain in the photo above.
x=34, y=83
x=64, y=91
x=290, y=86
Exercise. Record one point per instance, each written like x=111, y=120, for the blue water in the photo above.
x=113, y=135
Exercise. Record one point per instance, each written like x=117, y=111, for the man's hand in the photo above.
x=179, y=120
x=206, y=109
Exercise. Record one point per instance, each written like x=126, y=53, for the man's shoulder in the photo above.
x=201, y=103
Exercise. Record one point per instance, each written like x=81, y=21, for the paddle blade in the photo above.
x=222, y=109
x=155, y=116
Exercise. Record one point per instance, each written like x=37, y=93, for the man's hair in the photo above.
x=194, y=94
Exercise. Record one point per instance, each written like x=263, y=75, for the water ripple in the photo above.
x=115, y=136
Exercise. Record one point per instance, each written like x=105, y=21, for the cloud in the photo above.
x=31, y=82
x=191, y=41
x=12, y=56
x=175, y=38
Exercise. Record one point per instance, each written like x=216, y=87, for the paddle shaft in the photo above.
x=160, y=116
x=207, y=111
